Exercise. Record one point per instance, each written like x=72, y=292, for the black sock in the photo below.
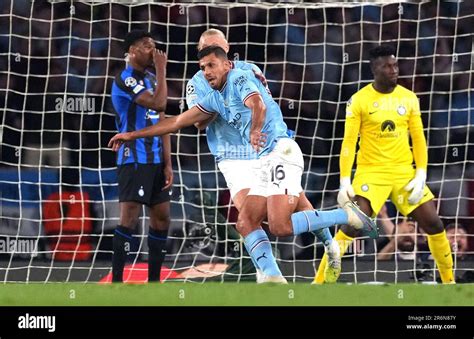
x=121, y=245
x=156, y=253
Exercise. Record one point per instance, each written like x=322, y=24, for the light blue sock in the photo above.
x=310, y=221
x=260, y=250
x=324, y=236
x=253, y=261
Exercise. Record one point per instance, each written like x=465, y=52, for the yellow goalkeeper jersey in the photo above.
x=384, y=122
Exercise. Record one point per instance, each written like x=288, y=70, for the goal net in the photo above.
x=59, y=196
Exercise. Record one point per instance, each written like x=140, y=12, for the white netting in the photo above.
x=57, y=176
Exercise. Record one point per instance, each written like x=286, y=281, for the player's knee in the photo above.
x=281, y=229
x=161, y=223
x=304, y=205
x=432, y=225
x=129, y=221
x=244, y=225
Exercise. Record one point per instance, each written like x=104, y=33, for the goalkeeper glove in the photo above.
x=346, y=191
x=416, y=186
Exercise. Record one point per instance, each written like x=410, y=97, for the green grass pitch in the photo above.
x=234, y=294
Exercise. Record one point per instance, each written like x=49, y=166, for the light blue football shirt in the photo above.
x=219, y=132
x=229, y=104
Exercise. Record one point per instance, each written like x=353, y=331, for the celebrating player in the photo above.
x=144, y=166
x=243, y=101
x=233, y=159
x=383, y=113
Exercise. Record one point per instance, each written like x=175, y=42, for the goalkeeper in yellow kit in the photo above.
x=386, y=115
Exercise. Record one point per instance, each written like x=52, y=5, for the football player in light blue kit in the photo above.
x=236, y=160
x=244, y=103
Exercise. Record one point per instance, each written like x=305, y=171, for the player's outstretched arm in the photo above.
x=347, y=156
x=168, y=125
x=201, y=125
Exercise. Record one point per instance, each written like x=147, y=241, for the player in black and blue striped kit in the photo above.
x=144, y=167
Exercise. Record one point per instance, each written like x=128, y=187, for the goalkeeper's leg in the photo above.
x=428, y=219
x=344, y=238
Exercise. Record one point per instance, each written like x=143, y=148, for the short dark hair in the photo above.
x=380, y=51
x=213, y=49
x=134, y=36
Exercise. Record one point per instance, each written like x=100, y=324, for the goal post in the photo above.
x=59, y=195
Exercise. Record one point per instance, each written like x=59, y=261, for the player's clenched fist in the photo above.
x=258, y=140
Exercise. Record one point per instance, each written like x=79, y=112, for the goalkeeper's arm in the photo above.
x=346, y=159
x=420, y=154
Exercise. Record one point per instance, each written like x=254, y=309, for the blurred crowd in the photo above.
x=314, y=58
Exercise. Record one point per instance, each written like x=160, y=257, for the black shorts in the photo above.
x=142, y=183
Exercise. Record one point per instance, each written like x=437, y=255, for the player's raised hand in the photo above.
x=118, y=139
x=159, y=59
x=346, y=191
x=257, y=140
x=416, y=186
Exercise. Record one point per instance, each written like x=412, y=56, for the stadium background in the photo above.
x=314, y=57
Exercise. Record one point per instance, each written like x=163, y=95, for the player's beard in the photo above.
x=391, y=82
x=214, y=85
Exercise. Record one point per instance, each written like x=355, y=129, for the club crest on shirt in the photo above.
x=130, y=82
x=401, y=110
x=190, y=89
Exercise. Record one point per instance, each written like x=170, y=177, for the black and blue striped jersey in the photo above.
x=130, y=116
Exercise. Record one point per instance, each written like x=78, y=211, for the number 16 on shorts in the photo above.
x=277, y=175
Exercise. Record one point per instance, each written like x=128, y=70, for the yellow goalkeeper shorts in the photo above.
x=376, y=186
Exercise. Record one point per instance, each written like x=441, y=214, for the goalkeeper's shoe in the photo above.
x=276, y=279
x=333, y=266
x=359, y=220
